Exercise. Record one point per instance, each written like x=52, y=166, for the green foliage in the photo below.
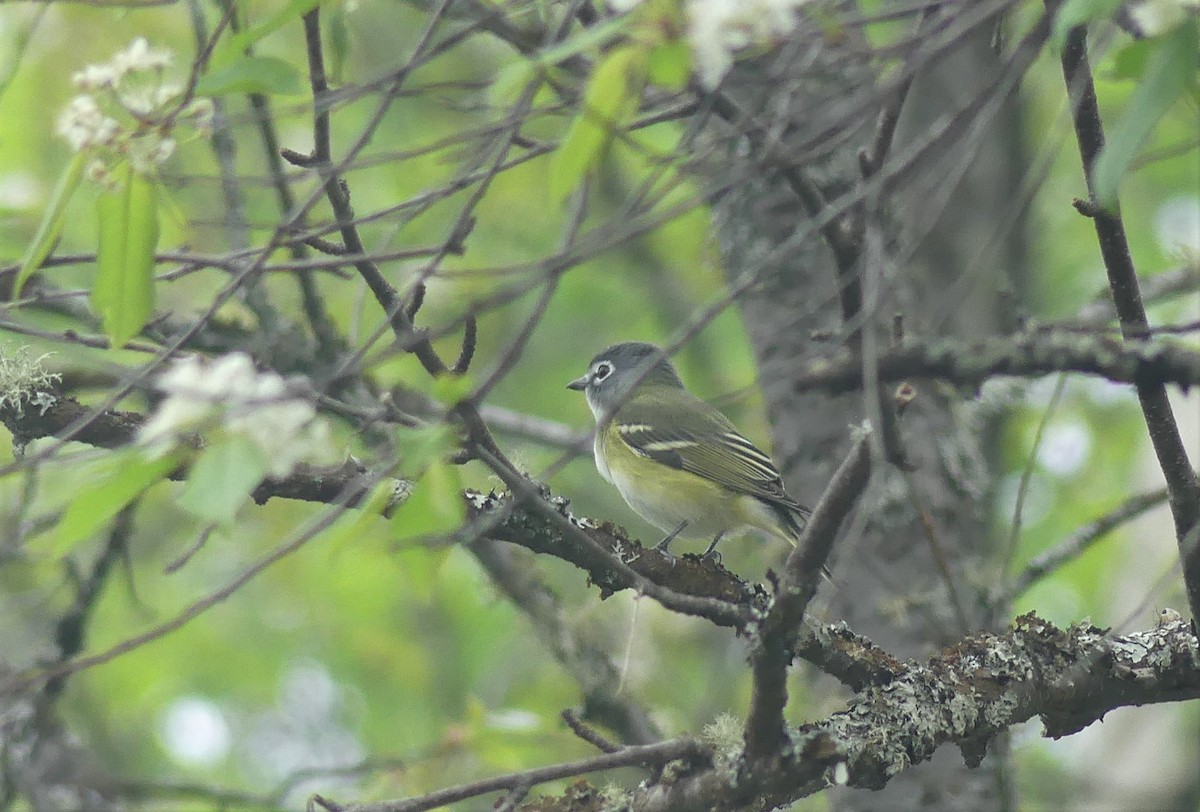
x=669, y=64
x=221, y=478
x=612, y=93
x=268, y=75
x=52, y=222
x=1074, y=13
x=291, y=11
x=123, y=293
x=121, y=478
x=1170, y=70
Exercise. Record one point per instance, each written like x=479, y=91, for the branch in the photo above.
x=646, y=755
x=967, y=695
x=1075, y=544
x=1027, y=355
x=345, y=484
x=598, y=677
x=770, y=654
x=1182, y=484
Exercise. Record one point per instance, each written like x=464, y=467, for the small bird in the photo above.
x=677, y=461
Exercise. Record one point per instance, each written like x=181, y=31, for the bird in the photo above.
x=676, y=460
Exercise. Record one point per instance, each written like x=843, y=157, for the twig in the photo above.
x=1014, y=533
x=71, y=628
x=648, y=755
x=588, y=733
x=871, y=159
x=1182, y=483
x=1026, y=355
x=590, y=667
x=1071, y=547
x=770, y=653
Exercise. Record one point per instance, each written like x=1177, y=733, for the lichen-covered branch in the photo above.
x=1027, y=355
x=966, y=696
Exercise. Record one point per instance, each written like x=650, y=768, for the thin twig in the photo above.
x=1182, y=482
x=771, y=654
x=1074, y=545
x=648, y=755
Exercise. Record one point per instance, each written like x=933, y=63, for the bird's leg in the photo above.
x=665, y=545
x=711, y=552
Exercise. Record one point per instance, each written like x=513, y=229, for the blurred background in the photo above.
x=387, y=663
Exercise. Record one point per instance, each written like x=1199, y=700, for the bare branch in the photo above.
x=639, y=756
x=1028, y=355
x=1182, y=482
x=770, y=654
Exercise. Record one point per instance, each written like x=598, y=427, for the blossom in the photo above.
x=148, y=151
x=83, y=124
x=228, y=394
x=1155, y=17
x=718, y=29
x=95, y=77
x=129, y=111
x=139, y=56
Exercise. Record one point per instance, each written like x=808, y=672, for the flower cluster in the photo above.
x=228, y=394
x=129, y=110
x=718, y=29
x=1157, y=17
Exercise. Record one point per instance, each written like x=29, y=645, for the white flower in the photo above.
x=149, y=151
x=167, y=92
x=140, y=56
x=230, y=394
x=622, y=6
x=83, y=124
x=1155, y=17
x=719, y=28
x=201, y=112
x=95, y=77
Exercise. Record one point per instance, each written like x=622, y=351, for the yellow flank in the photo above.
x=666, y=496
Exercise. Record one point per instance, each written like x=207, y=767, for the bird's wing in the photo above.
x=725, y=456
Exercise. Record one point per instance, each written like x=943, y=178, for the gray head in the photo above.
x=615, y=371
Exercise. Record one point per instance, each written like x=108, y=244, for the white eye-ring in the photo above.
x=602, y=372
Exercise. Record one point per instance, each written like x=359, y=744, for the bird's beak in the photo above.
x=579, y=384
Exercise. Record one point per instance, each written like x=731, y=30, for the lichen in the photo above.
x=724, y=736
x=23, y=380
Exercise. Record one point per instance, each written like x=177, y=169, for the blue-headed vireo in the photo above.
x=677, y=461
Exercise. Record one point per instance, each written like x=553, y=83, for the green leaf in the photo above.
x=435, y=506
x=592, y=37
x=122, y=478
x=123, y=294
x=268, y=75
x=1129, y=62
x=450, y=388
x=512, y=80
x=294, y=10
x=52, y=222
x=1171, y=69
x=421, y=447
x=1079, y=12
x=614, y=84
x=356, y=522
x=221, y=479
x=339, y=43
x=670, y=65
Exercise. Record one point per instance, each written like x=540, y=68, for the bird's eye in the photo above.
x=602, y=372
